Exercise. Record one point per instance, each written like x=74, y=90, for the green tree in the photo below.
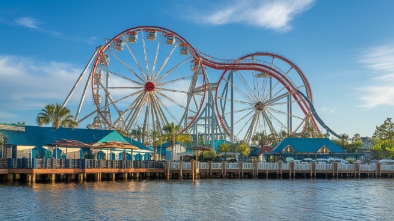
x=208, y=154
x=224, y=147
x=172, y=135
x=3, y=143
x=156, y=140
x=57, y=115
x=261, y=138
x=384, y=140
x=243, y=149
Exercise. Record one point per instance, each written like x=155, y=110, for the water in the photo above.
x=206, y=199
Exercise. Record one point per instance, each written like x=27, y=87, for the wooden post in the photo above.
x=224, y=172
x=168, y=167
x=180, y=170
x=192, y=165
x=240, y=170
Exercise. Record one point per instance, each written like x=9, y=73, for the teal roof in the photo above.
x=137, y=144
x=41, y=136
x=17, y=138
x=307, y=145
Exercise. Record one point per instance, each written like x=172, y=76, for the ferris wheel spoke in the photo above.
x=133, y=104
x=252, y=127
x=136, y=110
x=172, y=90
x=246, y=85
x=235, y=101
x=272, y=116
x=238, y=90
x=172, y=69
x=137, y=63
x=174, y=102
x=126, y=78
x=165, y=61
x=161, y=104
x=268, y=121
x=240, y=110
x=87, y=116
x=145, y=55
x=160, y=119
x=175, y=80
x=244, y=124
x=125, y=65
x=275, y=99
x=284, y=113
x=157, y=55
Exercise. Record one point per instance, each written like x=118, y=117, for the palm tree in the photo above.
x=344, y=138
x=356, y=137
x=57, y=115
x=157, y=139
x=261, y=138
x=172, y=135
x=3, y=142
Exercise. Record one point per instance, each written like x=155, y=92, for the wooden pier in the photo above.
x=81, y=170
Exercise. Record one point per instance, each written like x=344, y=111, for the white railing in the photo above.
x=186, y=166
x=247, y=166
x=302, y=166
x=285, y=166
x=203, y=166
x=386, y=167
x=345, y=167
x=216, y=165
x=266, y=165
x=367, y=167
x=324, y=167
x=174, y=165
x=231, y=165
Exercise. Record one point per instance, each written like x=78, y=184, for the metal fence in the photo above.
x=32, y=163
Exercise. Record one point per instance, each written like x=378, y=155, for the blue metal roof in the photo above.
x=41, y=136
x=307, y=145
x=18, y=138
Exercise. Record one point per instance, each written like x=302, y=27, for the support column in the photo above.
x=112, y=176
x=168, y=167
x=52, y=177
x=125, y=176
x=80, y=177
x=180, y=170
x=10, y=177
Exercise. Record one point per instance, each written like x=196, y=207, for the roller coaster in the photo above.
x=146, y=77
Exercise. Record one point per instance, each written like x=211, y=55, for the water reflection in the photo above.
x=219, y=199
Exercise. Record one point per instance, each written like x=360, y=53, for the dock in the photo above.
x=80, y=170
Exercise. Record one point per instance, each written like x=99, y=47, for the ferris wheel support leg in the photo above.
x=80, y=77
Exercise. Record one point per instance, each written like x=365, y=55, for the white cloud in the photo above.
x=27, y=22
x=27, y=84
x=270, y=14
x=380, y=61
x=34, y=24
x=327, y=110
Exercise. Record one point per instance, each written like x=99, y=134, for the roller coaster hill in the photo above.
x=146, y=77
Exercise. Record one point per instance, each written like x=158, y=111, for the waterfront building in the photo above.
x=300, y=148
x=43, y=142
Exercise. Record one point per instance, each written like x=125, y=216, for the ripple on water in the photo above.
x=219, y=199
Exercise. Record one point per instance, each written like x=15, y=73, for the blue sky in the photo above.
x=345, y=48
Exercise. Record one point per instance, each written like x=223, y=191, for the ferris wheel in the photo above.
x=262, y=94
x=144, y=77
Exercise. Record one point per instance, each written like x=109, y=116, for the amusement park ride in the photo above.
x=146, y=77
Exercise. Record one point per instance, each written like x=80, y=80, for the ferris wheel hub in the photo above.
x=149, y=86
x=259, y=106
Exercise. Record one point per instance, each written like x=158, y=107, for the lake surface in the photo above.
x=206, y=199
